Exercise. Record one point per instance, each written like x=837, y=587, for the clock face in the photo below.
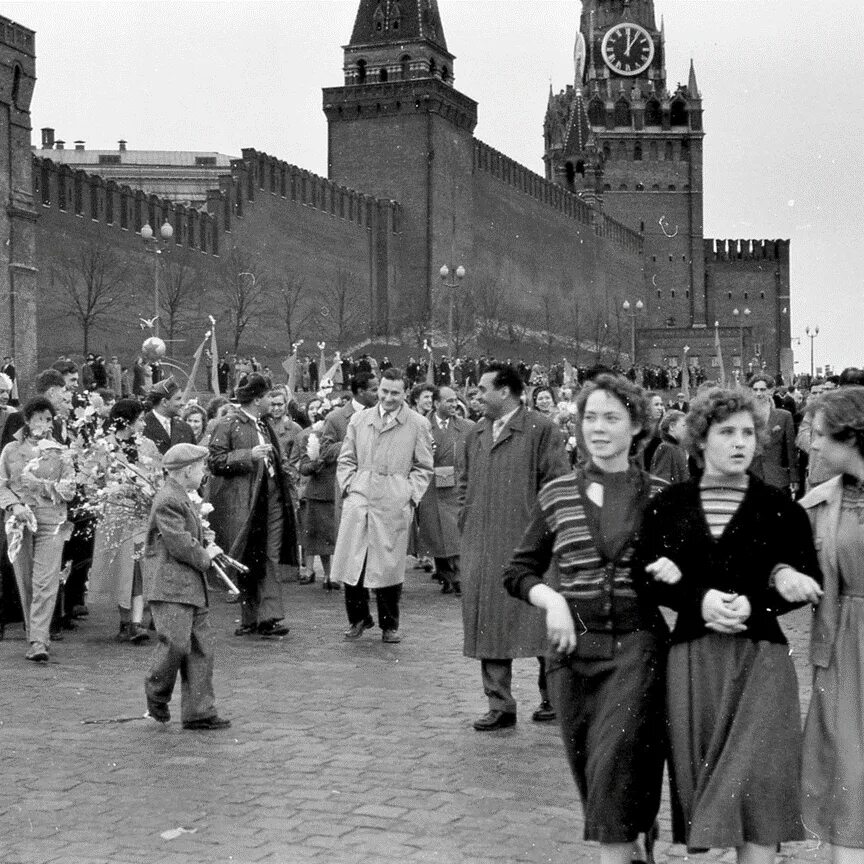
x=627, y=49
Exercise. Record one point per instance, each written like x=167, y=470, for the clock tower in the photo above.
x=621, y=136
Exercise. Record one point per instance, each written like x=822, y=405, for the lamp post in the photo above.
x=811, y=335
x=157, y=247
x=741, y=318
x=632, y=315
x=451, y=283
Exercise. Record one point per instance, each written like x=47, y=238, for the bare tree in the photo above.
x=244, y=288
x=551, y=320
x=93, y=283
x=573, y=321
x=486, y=298
x=178, y=286
x=296, y=314
x=341, y=314
x=599, y=334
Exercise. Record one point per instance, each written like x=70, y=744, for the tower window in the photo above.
x=607, y=152
x=655, y=187
x=746, y=295
x=623, y=187
x=361, y=71
x=653, y=114
x=640, y=187
x=637, y=152
x=728, y=295
x=445, y=73
x=622, y=113
x=405, y=63
x=596, y=113
x=433, y=68
x=761, y=295
x=671, y=187
x=382, y=75
x=642, y=227
x=685, y=149
x=669, y=155
x=679, y=113
x=607, y=187
x=16, y=85
x=659, y=294
x=652, y=151
x=672, y=293
x=687, y=293
x=653, y=257
x=569, y=174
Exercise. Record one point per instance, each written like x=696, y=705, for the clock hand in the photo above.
x=630, y=44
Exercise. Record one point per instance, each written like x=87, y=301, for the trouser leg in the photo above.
x=196, y=670
x=387, y=600
x=270, y=606
x=357, y=600
x=541, y=680
x=255, y=558
x=497, y=683
x=174, y=635
x=448, y=568
x=23, y=567
x=45, y=582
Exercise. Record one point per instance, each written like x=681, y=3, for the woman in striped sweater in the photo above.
x=607, y=683
x=733, y=551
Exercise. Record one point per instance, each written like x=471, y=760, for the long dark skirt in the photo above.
x=735, y=731
x=317, y=527
x=612, y=719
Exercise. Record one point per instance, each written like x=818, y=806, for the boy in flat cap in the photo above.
x=175, y=563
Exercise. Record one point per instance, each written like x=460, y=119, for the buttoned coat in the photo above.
x=498, y=486
x=823, y=506
x=777, y=464
x=181, y=432
x=236, y=482
x=174, y=564
x=382, y=475
x=438, y=512
x=332, y=437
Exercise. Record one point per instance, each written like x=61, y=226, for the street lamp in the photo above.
x=452, y=283
x=811, y=335
x=741, y=318
x=632, y=315
x=156, y=246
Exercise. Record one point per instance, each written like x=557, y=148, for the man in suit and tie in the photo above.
x=681, y=404
x=777, y=464
x=163, y=425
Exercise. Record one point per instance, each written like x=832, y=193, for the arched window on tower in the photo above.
x=378, y=19
x=570, y=175
x=637, y=152
x=405, y=65
x=653, y=114
x=580, y=167
x=361, y=71
x=622, y=113
x=382, y=74
x=607, y=152
x=685, y=148
x=395, y=16
x=596, y=113
x=433, y=68
x=678, y=115
x=445, y=73
x=16, y=85
x=669, y=153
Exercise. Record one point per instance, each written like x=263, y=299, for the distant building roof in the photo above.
x=184, y=158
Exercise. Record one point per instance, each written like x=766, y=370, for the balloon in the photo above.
x=153, y=349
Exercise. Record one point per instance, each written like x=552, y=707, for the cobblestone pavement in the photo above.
x=339, y=752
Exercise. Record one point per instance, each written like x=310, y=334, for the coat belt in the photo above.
x=378, y=469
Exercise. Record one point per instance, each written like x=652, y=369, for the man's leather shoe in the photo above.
x=273, y=628
x=38, y=653
x=446, y=588
x=246, y=630
x=80, y=611
x=495, y=719
x=545, y=713
x=391, y=636
x=355, y=631
x=158, y=711
x=457, y=589
x=206, y=723
x=307, y=579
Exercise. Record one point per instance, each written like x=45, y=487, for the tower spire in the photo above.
x=382, y=22
x=691, y=82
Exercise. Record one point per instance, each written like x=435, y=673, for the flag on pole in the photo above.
x=569, y=374
x=290, y=367
x=190, y=383
x=430, y=368
x=719, y=351
x=214, y=358
x=685, y=374
x=331, y=370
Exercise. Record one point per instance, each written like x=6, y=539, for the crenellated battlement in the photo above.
x=82, y=195
x=746, y=250
x=509, y=171
x=257, y=173
x=16, y=36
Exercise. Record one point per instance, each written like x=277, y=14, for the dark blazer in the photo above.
x=181, y=433
x=768, y=529
x=174, y=563
x=332, y=435
x=777, y=464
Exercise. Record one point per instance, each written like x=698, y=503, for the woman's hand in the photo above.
x=664, y=570
x=560, y=629
x=795, y=587
x=719, y=613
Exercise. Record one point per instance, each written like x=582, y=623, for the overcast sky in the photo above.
x=782, y=82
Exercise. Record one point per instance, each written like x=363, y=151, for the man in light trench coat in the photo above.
x=384, y=468
x=508, y=456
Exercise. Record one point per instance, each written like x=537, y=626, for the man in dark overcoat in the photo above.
x=253, y=517
x=509, y=455
x=438, y=512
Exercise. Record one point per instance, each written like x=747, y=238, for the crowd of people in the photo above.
x=564, y=514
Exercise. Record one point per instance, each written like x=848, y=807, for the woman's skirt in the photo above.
x=735, y=733
x=317, y=527
x=612, y=719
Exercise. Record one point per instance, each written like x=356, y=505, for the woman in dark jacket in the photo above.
x=670, y=458
x=607, y=684
x=722, y=549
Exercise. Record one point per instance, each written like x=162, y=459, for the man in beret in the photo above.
x=163, y=425
x=176, y=559
x=253, y=517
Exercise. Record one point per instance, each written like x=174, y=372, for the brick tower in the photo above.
x=619, y=135
x=18, y=215
x=398, y=129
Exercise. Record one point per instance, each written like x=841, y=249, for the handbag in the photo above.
x=445, y=477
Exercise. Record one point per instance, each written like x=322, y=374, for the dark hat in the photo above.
x=251, y=387
x=181, y=455
x=165, y=388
